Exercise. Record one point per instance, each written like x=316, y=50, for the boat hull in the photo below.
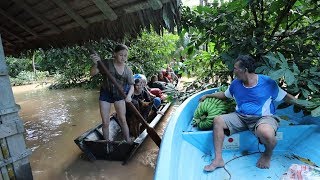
x=184, y=150
x=95, y=148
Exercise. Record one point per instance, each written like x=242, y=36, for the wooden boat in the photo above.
x=184, y=150
x=94, y=147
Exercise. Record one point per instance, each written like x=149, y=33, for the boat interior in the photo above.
x=297, y=143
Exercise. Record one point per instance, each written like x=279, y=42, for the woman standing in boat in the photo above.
x=254, y=95
x=109, y=93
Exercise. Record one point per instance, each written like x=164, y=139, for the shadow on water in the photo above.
x=54, y=118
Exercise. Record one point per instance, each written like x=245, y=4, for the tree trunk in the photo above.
x=33, y=64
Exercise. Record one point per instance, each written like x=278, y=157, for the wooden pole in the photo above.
x=33, y=64
x=153, y=134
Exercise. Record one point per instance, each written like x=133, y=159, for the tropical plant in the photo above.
x=150, y=52
x=227, y=29
x=17, y=65
x=255, y=27
x=305, y=82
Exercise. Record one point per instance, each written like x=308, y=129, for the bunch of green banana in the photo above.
x=206, y=111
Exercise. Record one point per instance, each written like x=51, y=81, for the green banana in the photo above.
x=207, y=110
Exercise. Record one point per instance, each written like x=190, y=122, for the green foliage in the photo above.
x=287, y=73
x=227, y=29
x=28, y=77
x=150, y=51
x=257, y=28
x=71, y=65
x=16, y=65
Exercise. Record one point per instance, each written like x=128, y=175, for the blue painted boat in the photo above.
x=185, y=150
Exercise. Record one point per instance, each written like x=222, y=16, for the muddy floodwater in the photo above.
x=54, y=118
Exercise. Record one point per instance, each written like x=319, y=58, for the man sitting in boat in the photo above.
x=254, y=95
x=154, y=83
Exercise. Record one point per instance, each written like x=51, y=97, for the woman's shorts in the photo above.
x=109, y=97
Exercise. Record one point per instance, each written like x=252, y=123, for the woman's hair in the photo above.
x=246, y=62
x=136, y=81
x=120, y=47
x=154, y=77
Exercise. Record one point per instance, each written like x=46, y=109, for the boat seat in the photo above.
x=246, y=141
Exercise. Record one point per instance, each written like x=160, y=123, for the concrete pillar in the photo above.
x=14, y=163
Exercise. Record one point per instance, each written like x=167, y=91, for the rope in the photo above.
x=224, y=167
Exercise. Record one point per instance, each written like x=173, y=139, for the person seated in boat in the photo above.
x=155, y=93
x=141, y=94
x=163, y=77
x=254, y=94
x=173, y=77
x=109, y=93
x=154, y=83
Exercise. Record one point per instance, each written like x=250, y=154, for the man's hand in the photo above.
x=203, y=98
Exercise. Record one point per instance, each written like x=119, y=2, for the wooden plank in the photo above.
x=136, y=7
x=37, y=15
x=64, y=6
x=6, y=154
x=9, y=129
x=4, y=171
x=106, y=9
x=22, y=25
x=7, y=42
x=10, y=160
x=12, y=34
x=155, y=4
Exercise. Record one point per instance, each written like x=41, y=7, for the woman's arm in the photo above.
x=129, y=95
x=94, y=68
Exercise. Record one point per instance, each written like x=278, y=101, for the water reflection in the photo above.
x=44, y=111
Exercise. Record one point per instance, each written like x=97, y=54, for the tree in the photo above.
x=260, y=28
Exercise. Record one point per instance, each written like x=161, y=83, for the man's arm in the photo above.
x=218, y=95
x=290, y=99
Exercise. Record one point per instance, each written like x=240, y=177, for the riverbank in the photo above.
x=29, y=87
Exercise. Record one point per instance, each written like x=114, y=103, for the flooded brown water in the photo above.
x=54, y=118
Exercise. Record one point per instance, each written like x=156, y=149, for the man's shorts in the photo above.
x=238, y=123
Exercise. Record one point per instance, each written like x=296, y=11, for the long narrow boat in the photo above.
x=94, y=147
x=184, y=150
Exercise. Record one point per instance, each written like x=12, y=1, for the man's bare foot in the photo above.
x=214, y=165
x=264, y=161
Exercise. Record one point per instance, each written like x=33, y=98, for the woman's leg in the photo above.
x=105, y=116
x=120, y=107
